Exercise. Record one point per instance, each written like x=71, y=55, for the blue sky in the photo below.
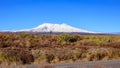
x=94, y=15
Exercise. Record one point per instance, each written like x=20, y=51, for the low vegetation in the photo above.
x=25, y=48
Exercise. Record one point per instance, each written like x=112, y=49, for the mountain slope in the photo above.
x=47, y=27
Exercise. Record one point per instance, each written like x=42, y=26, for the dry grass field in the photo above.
x=24, y=48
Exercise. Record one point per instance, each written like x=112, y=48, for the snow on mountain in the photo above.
x=47, y=27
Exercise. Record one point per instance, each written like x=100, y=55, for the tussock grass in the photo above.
x=25, y=48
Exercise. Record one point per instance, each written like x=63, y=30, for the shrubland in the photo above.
x=26, y=48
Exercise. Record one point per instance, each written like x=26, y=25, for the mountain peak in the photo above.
x=48, y=27
x=50, y=24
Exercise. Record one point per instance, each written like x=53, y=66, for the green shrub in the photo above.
x=24, y=34
x=68, y=38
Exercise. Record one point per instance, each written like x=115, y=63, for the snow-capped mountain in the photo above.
x=47, y=27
